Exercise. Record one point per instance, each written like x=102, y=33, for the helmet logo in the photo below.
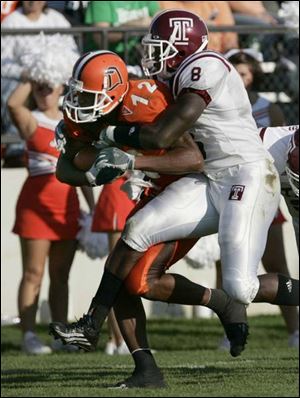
x=180, y=26
x=112, y=78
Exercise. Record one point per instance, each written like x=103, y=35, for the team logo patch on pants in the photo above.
x=236, y=192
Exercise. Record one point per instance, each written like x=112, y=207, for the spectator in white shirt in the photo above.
x=32, y=14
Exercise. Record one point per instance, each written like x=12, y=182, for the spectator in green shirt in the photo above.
x=116, y=14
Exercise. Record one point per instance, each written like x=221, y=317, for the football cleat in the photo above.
x=82, y=333
x=147, y=379
x=237, y=334
x=234, y=321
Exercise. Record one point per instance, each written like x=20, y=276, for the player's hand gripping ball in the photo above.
x=86, y=160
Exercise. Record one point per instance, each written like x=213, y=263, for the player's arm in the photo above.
x=173, y=122
x=194, y=88
x=184, y=157
x=66, y=171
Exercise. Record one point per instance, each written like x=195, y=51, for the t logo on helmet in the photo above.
x=112, y=78
x=180, y=27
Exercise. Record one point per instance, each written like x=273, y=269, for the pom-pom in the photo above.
x=95, y=244
x=50, y=62
x=205, y=253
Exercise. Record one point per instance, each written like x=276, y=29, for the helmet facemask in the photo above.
x=156, y=53
x=82, y=108
x=159, y=52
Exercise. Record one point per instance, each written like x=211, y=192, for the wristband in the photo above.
x=127, y=136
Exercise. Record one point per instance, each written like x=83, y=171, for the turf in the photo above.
x=186, y=352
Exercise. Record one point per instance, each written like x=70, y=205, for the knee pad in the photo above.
x=241, y=290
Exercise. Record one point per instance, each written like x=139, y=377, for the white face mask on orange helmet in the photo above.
x=98, y=84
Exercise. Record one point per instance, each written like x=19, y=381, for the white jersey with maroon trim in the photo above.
x=276, y=141
x=226, y=127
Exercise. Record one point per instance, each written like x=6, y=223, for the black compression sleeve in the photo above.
x=127, y=135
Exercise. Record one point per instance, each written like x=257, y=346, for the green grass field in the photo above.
x=186, y=352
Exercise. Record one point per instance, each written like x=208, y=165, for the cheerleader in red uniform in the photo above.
x=47, y=210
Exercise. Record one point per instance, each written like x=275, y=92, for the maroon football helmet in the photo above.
x=172, y=37
x=292, y=166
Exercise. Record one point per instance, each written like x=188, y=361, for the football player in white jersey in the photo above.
x=283, y=144
x=237, y=195
x=239, y=190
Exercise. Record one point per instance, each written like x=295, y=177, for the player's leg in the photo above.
x=174, y=214
x=247, y=199
x=274, y=260
x=131, y=318
x=115, y=342
x=149, y=279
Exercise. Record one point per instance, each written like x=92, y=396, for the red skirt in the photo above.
x=112, y=208
x=47, y=209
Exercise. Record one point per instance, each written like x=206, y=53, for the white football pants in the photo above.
x=238, y=203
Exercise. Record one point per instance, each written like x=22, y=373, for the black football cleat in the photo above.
x=143, y=379
x=237, y=334
x=82, y=333
x=234, y=321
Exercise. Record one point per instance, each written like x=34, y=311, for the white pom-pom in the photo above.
x=289, y=11
x=205, y=253
x=49, y=60
x=95, y=244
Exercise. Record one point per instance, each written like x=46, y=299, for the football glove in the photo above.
x=115, y=158
x=99, y=174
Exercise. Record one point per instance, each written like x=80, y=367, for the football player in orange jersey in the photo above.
x=142, y=100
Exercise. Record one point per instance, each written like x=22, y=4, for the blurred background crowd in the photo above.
x=260, y=38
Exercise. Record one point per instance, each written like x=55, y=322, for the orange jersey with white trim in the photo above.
x=144, y=102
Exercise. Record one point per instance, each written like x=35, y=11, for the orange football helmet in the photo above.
x=98, y=84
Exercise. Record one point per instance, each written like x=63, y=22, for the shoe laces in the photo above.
x=82, y=322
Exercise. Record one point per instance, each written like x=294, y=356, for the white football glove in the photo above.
x=115, y=158
x=110, y=164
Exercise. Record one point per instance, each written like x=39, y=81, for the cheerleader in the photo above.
x=47, y=210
